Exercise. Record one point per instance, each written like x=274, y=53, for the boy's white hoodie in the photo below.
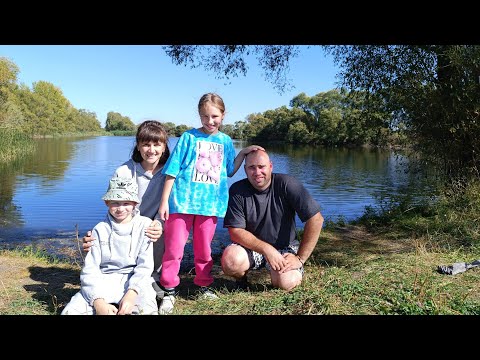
x=119, y=249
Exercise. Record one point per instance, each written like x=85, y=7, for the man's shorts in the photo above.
x=258, y=261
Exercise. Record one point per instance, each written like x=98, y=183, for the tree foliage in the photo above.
x=9, y=112
x=180, y=129
x=227, y=61
x=433, y=90
x=8, y=72
x=41, y=110
x=335, y=117
x=169, y=127
x=116, y=122
x=44, y=110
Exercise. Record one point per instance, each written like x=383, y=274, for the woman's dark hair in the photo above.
x=151, y=130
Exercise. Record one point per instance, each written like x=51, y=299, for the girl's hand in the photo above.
x=163, y=211
x=251, y=148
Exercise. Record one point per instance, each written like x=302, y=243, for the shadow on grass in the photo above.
x=57, y=286
x=258, y=281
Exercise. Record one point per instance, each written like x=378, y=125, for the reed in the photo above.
x=14, y=144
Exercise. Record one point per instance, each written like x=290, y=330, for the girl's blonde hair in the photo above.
x=213, y=98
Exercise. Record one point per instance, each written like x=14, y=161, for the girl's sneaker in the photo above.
x=168, y=302
x=206, y=293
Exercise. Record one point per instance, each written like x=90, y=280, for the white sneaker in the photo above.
x=207, y=293
x=167, y=305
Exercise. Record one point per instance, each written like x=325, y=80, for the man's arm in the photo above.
x=248, y=240
x=311, y=233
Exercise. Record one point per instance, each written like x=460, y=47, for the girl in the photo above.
x=149, y=155
x=195, y=194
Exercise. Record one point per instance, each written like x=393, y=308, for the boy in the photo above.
x=116, y=276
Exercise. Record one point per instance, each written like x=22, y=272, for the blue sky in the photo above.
x=141, y=82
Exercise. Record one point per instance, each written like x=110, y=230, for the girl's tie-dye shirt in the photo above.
x=201, y=165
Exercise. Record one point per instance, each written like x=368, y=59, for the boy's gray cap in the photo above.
x=122, y=189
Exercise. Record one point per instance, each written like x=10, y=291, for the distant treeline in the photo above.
x=329, y=118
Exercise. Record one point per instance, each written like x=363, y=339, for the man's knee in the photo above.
x=234, y=259
x=287, y=281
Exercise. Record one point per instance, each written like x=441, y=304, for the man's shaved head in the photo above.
x=258, y=168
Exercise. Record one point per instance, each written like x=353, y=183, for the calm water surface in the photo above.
x=60, y=187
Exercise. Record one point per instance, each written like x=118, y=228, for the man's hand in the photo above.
x=87, y=241
x=293, y=262
x=275, y=259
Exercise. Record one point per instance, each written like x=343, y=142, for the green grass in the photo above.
x=366, y=281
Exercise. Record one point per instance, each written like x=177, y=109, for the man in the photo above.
x=261, y=222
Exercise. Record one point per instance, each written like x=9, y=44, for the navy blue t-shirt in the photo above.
x=270, y=214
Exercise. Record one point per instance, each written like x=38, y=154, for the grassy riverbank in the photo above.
x=15, y=144
x=352, y=271
x=385, y=263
